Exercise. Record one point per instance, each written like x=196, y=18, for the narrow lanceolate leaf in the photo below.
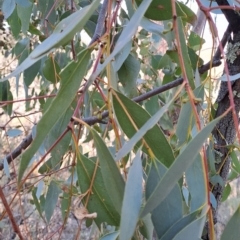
x=71, y=78
x=125, y=37
x=112, y=178
x=99, y=199
x=185, y=56
x=128, y=114
x=180, y=165
x=194, y=229
x=132, y=199
x=186, y=119
x=163, y=218
x=181, y=224
x=61, y=35
x=196, y=184
x=232, y=230
x=51, y=199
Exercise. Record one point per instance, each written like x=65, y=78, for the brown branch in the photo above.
x=10, y=215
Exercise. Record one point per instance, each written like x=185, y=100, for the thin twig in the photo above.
x=10, y=215
x=100, y=22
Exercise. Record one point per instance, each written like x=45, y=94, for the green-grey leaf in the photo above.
x=8, y=7
x=112, y=178
x=194, y=229
x=196, y=184
x=181, y=224
x=51, y=199
x=232, y=230
x=99, y=199
x=163, y=216
x=132, y=199
x=24, y=13
x=179, y=166
x=128, y=74
x=185, y=56
x=71, y=78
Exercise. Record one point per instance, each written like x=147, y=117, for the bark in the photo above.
x=225, y=132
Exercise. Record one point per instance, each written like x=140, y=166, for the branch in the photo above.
x=232, y=16
x=100, y=23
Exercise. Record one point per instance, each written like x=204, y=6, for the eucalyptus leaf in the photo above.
x=180, y=165
x=232, y=230
x=132, y=199
x=71, y=78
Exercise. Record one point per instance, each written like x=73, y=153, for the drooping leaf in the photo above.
x=180, y=165
x=8, y=7
x=14, y=22
x=196, y=184
x=122, y=55
x=194, y=229
x=99, y=199
x=187, y=63
x=232, y=230
x=129, y=113
x=112, y=178
x=128, y=74
x=132, y=199
x=24, y=13
x=36, y=202
x=71, y=78
x=186, y=118
x=181, y=224
x=61, y=148
x=51, y=199
x=169, y=211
